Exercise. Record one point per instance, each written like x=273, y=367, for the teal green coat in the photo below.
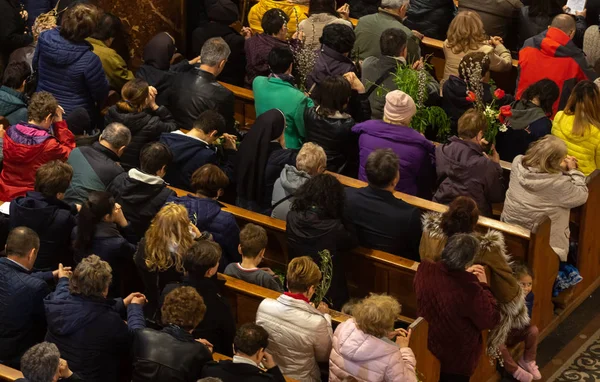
x=274, y=93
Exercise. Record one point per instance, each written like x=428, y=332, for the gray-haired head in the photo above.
x=214, y=51
x=40, y=363
x=460, y=251
x=393, y=4
x=117, y=135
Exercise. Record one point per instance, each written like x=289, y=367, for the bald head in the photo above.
x=116, y=137
x=565, y=23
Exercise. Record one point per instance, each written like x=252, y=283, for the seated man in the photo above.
x=379, y=70
x=553, y=55
x=43, y=363
x=22, y=293
x=253, y=244
x=28, y=145
x=197, y=90
x=464, y=169
x=173, y=354
x=250, y=357
x=142, y=193
x=114, y=66
x=303, y=332
x=44, y=211
x=95, y=166
x=196, y=148
x=13, y=101
x=383, y=221
x=311, y=161
x=277, y=91
x=370, y=27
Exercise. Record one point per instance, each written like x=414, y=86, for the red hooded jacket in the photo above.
x=26, y=147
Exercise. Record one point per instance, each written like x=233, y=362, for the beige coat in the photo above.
x=500, y=59
x=313, y=28
x=532, y=194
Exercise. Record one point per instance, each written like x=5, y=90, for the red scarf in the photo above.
x=297, y=296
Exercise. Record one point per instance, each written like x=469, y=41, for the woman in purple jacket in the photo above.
x=416, y=153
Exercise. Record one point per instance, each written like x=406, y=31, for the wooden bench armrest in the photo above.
x=9, y=374
x=239, y=92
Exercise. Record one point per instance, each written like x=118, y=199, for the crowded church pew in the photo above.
x=221, y=357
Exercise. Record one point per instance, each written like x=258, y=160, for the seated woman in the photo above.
x=87, y=327
x=529, y=121
x=466, y=35
x=330, y=127
x=261, y=157
x=365, y=345
x=293, y=12
x=472, y=74
x=578, y=125
x=315, y=223
x=320, y=14
x=300, y=335
x=209, y=183
x=201, y=262
x=159, y=257
x=461, y=218
x=545, y=182
x=138, y=110
x=458, y=306
x=100, y=230
x=157, y=70
x=416, y=153
x=173, y=354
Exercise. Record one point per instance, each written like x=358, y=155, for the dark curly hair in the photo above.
x=338, y=37
x=461, y=217
x=323, y=194
x=546, y=91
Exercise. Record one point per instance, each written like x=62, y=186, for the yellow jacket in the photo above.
x=114, y=66
x=586, y=148
x=295, y=12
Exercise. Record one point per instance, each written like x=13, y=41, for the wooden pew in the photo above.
x=9, y=374
x=244, y=111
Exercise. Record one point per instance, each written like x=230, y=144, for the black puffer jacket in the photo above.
x=145, y=126
x=334, y=135
x=169, y=355
x=195, y=91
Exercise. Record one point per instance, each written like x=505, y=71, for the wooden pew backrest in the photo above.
x=9, y=374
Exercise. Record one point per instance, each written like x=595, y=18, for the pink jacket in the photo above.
x=368, y=358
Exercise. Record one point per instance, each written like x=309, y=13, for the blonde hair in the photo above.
x=302, y=273
x=91, y=277
x=546, y=154
x=376, y=314
x=310, y=158
x=584, y=104
x=466, y=32
x=168, y=238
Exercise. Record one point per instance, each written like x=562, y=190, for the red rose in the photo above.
x=471, y=96
x=505, y=111
x=499, y=93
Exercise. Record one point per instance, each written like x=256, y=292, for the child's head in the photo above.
x=524, y=276
x=253, y=241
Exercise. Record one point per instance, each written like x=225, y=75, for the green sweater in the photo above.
x=368, y=32
x=274, y=93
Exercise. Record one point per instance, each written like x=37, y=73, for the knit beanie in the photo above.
x=78, y=121
x=399, y=107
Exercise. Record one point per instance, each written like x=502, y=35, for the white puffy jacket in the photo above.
x=299, y=336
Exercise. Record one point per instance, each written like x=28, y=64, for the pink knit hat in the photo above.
x=399, y=107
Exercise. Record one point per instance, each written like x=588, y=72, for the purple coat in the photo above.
x=416, y=153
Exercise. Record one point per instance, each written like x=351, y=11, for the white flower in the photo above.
x=503, y=128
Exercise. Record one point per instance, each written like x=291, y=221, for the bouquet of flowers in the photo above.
x=496, y=116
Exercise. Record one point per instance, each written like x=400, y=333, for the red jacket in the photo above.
x=26, y=147
x=553, y=55
x=458, y=308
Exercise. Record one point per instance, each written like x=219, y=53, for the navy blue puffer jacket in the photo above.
x=70, y=71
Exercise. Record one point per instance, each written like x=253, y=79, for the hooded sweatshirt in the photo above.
x=527, y=124
x=13, y=105
x=285, y=187
x=368, y=358
x=89, y=331
x=533, y=194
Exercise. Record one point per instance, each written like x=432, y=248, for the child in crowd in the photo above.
x=526, y=369
x=253, y=243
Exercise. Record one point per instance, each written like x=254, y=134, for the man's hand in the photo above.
x=135, y=298
x=205, y=343
x=268, y=361
x=419, y=64
x=230, y=142
x=418, y=34
x=62, y=272
x=495, y=41
x=479, y=272
x=194, y=61
x=582, y=13
x=63, y=369
x=344, y=11
x=58, y=114
x=246, y=32
x=355, y=83
x=403, y=337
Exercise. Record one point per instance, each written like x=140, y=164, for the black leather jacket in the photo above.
x=169, y=355
x=333, y=135
x=196, y=91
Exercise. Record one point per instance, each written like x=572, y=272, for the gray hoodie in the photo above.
x=288, y=183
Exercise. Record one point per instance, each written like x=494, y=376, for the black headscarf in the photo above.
x=254, y=153
x=159, y=51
